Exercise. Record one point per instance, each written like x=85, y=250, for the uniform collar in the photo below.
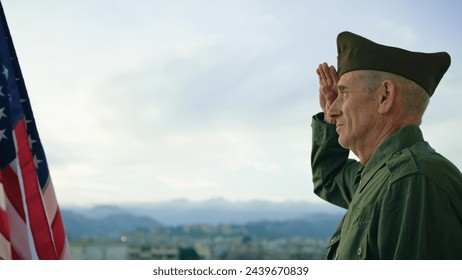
x=398, y=141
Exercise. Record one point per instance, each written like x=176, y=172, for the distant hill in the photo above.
x=114, y=226
x=260, y=218
x=316, y=226
x=110, y=226
x=214, y=212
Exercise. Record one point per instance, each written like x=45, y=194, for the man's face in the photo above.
x=354, y=110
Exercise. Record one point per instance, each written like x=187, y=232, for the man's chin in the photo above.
x=342, y=142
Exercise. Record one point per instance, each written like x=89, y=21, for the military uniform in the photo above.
x=405, y=203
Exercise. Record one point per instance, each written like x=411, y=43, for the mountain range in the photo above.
x=262, y=218
x=214, y=211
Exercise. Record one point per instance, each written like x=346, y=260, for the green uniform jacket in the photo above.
x=405, y=203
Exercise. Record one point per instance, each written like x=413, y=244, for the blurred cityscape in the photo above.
x=196, y=242
x=120, y=234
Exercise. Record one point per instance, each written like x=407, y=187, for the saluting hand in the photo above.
x=328, y=80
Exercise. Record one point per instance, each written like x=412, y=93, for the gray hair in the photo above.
x=416, y=99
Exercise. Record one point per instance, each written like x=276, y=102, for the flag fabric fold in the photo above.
x=31, y=226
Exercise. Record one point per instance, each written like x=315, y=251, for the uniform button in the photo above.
x=360, y=251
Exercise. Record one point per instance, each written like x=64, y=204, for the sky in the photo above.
x=152, y=100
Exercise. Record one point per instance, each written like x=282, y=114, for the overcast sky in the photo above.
x=145, y=101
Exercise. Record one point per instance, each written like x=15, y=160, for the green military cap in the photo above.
x=358, y=53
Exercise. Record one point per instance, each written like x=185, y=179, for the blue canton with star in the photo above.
x=14, y=106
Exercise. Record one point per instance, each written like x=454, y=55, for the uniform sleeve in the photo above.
x=419, y=220
x=333, y=172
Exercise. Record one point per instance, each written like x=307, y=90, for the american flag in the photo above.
x=31, y=226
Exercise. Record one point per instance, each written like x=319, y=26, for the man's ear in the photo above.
x=386, y=95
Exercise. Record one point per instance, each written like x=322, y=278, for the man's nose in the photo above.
x=334, y=110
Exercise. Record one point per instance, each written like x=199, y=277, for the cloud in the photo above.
x=399, y=32
x=437, y=134
x=165, y=99
x=188, y=184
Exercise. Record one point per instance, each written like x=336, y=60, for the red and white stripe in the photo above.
x=30, y=221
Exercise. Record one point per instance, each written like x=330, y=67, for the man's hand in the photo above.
x=327, y=88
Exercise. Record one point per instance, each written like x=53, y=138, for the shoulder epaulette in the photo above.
x=401, y=164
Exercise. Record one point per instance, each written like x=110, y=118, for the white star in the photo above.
x=2, y=134
x=1, y=91
x=31, y=141
x=2, y=113
x=36, y=161
x=5, y=72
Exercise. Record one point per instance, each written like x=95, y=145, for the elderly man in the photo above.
x=403, y=200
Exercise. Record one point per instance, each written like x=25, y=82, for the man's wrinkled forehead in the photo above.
x=351, y=80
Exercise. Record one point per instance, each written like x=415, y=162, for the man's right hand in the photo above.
x=328, y=80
